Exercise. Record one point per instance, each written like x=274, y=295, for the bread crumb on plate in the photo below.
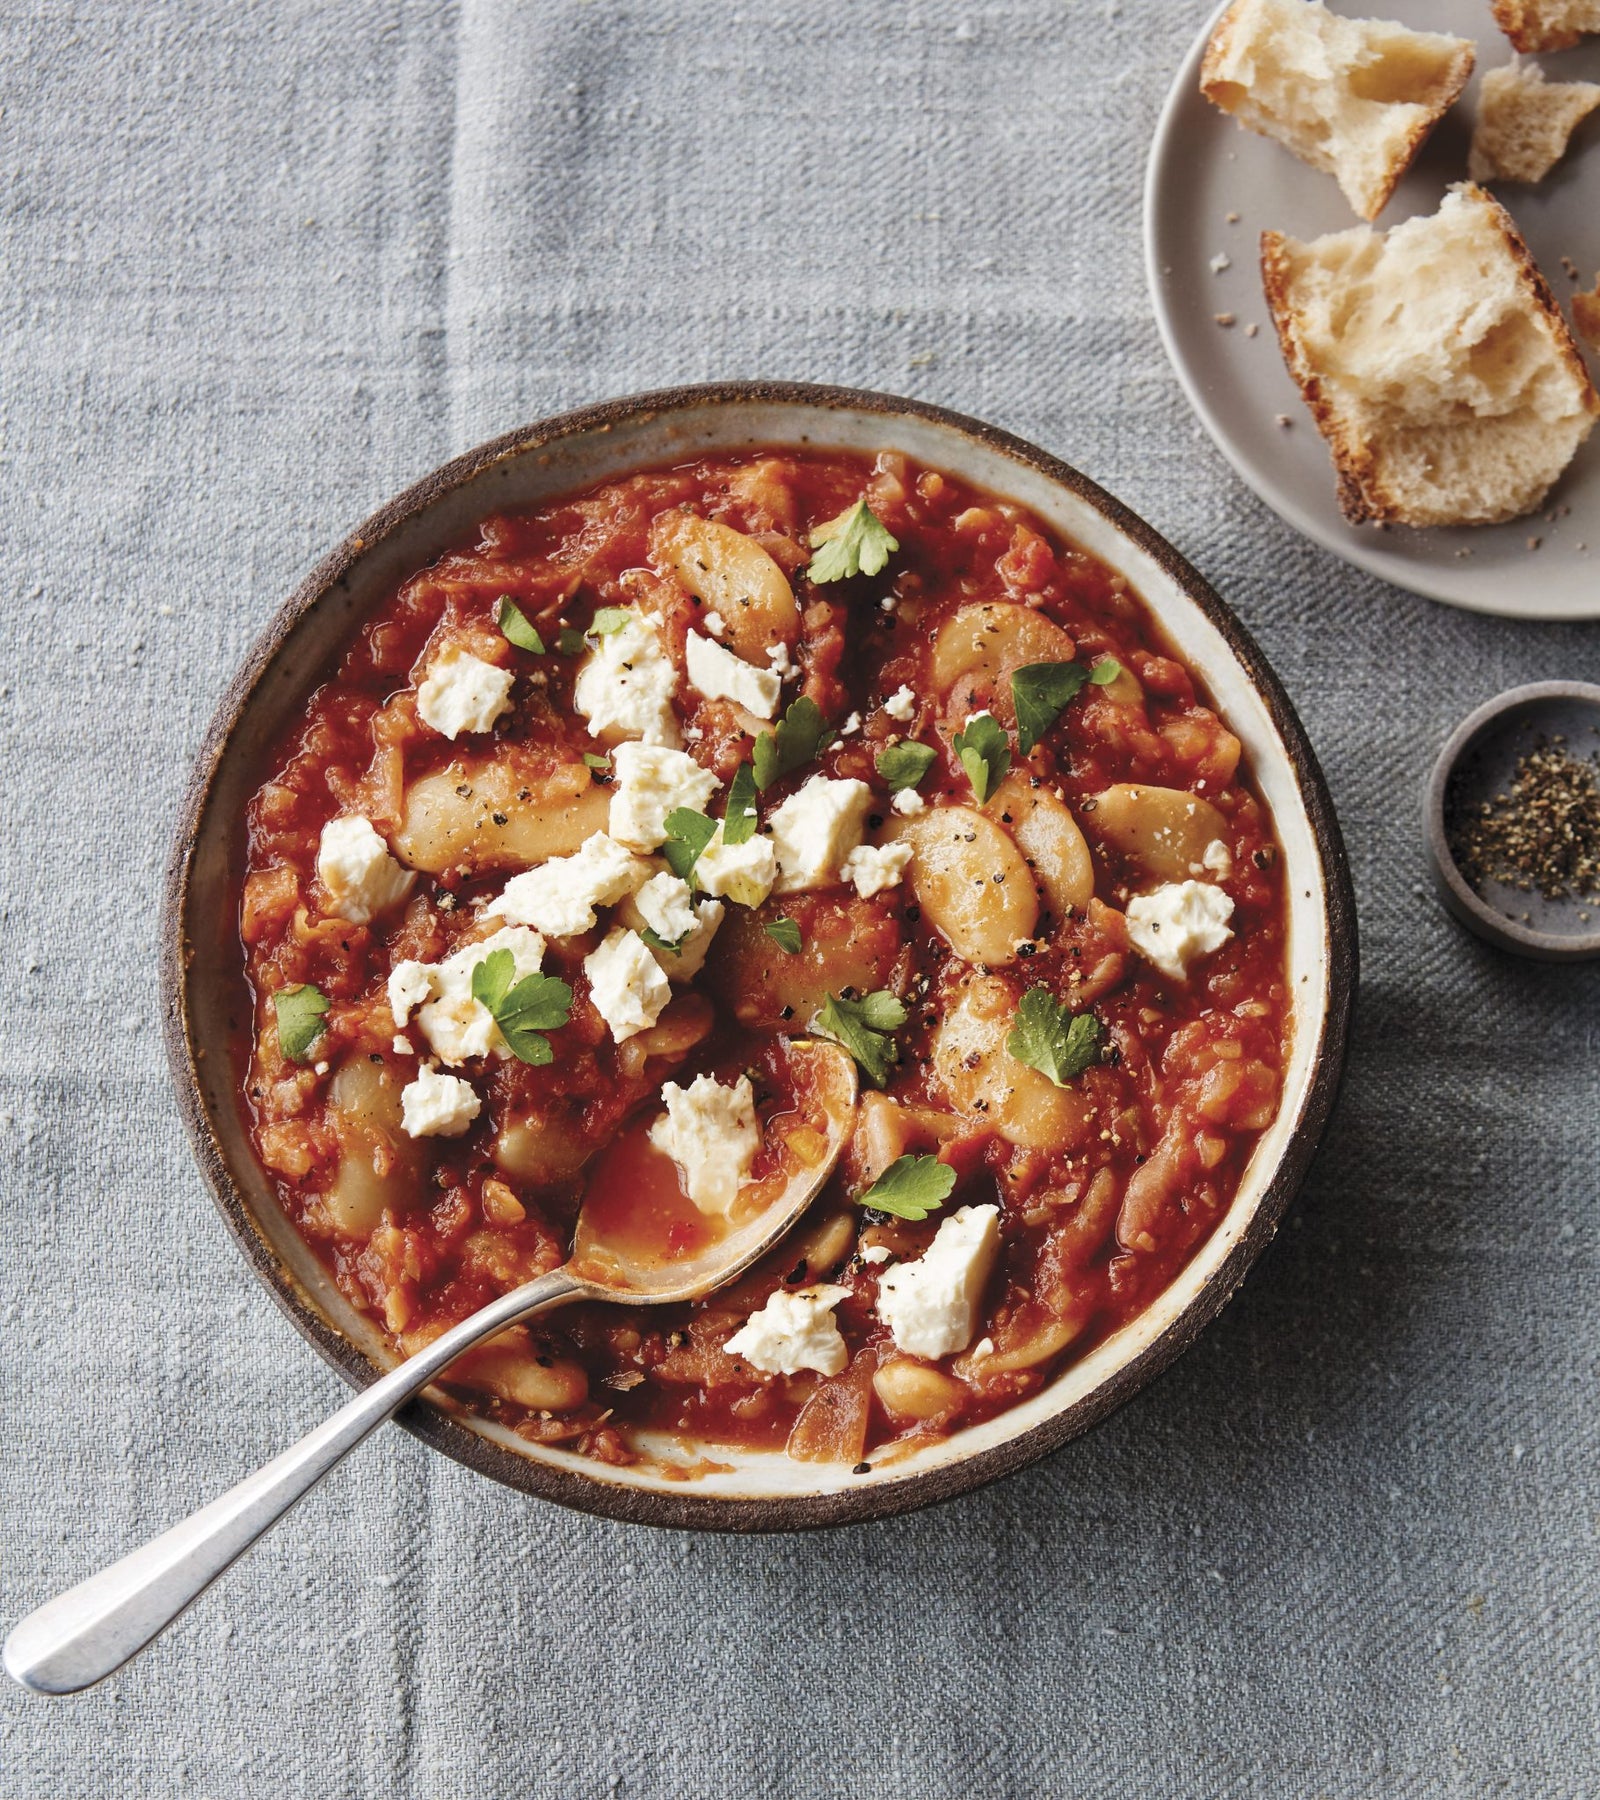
x=1355, y=98
x=1435, y=361
x=1525, y=122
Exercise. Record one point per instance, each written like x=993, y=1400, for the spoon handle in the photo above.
x=94, y=1628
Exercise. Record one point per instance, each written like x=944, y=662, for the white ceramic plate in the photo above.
x=1203, y=167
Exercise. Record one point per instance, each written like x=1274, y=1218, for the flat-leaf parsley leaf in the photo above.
x=535, y=1005
x=785, y=934
x=610, y=619
x=904, y=764
x=801, y=733
x=514, y=626
x=570, y=641
x=985, y=754
x=300, y=1019
x=688, y=833
x=739, y=820
x=855, y=543
x=1051, y=1038
x=864, y=1027
x=911, y=1187
x=1042, y=692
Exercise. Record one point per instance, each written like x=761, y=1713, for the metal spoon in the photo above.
x=94, y=1628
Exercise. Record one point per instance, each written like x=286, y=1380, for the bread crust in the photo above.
x=1520, y=21
x=1363, y=499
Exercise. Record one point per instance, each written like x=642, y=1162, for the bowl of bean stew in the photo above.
x=596, y=776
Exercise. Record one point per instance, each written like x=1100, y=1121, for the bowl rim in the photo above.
x=1460, y=897
x=434, y=1424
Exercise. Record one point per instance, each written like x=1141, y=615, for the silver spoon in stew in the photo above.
x=94, y=1628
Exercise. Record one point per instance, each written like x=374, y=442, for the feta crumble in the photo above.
x=720, y=675
x=456, y=1026
x=908, y=803
x=714, y=623
x=650, y=781
x=743, y=873
x=931, y=1305
x=783, y=664
x=462, y=692
x=712, y=1133
x=1218, y=858
x=901, y=704
x=874, y=867
x=559, y=897
x=626, y=685
x=793, y=1332
x=1178, y=922
x=814, y=830
x=626, y=984
x=874, y=1254
x=436, y=1105
x=354, y=865
x=666, y=905
x=689, y=961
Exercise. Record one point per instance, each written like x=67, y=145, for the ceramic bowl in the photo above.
x=208, y=1008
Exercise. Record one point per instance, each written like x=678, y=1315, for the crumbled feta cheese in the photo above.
x=1178, y=922
x=984, y=1347
x=626, y=984
x=720, y=675
x=783, y=664
x=712, y=1133
x=559, y=897
x=692, y=951
x=908, y=803
x=667, y=906
x=456, y=1026
x=714, y=623
x=410, y=983
x=901, y=704
x=876, y=1253
x=743, y=873
x=815, y=830
x=462, y=692
x=931, y=1305
x=851, y=725
x=436, y=1105
x=626, y=685
x=793, y=1332
x=1218, y=859
x=402, y=1046
x=354, y=865
x=650, y=781
x=874, y=867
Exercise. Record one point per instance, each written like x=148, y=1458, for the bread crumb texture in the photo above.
x=1525, y=122
x=1546, y=24
x=1355, y=98
x=1435, y=362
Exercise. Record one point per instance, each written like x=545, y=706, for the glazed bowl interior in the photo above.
x=209, y=1009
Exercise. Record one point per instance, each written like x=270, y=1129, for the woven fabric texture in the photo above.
x=267, y=264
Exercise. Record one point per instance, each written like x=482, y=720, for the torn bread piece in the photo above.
x=1524, y=122
x=1546, y=24
x=1435, y=361
x=1355, y=98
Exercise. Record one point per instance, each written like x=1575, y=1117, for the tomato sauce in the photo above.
x=1105, y=1184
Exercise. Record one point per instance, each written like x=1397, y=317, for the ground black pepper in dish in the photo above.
x=1542, y=833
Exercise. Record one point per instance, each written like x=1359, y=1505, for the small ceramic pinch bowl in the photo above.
x=1475, y=766
x=209, y=1012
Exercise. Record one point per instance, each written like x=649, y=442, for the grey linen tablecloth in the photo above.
x=267, y=264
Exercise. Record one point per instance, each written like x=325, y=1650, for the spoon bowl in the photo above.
x=90, y=1631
